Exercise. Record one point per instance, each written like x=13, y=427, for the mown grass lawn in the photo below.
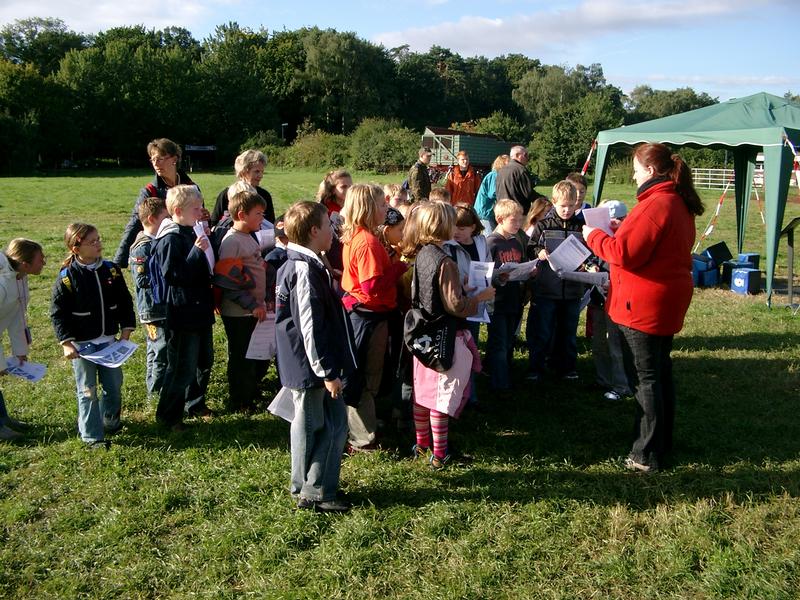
x=544, y=511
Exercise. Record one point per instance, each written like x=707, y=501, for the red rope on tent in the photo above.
x=589, y=158
x=713, y=222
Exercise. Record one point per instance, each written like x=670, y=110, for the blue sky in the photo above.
x=727, y=48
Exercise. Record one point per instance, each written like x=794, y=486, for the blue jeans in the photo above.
x=607, y=352
x=318, y=435
x=95, y=414
x=156, y=356
x=649, y=368
x=502, y=331
x=557, y=320
x=190, y=355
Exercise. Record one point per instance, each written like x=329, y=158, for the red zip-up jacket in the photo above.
x=651, y=262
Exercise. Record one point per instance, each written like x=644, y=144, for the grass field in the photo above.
x=545, y=510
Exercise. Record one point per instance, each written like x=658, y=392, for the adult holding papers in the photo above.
x=21, y=258
x=650, y=291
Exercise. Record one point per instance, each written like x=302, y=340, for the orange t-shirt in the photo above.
x=365, y=258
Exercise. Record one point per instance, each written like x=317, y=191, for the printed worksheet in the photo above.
x=598, y=217
x=27, y=370
x=569, y=255
x=114, y=355
x=480, y=277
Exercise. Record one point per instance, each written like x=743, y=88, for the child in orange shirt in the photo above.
x=369, y=279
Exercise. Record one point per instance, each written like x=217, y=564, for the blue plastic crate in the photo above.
x=709, y=278
x=729, y=265
x=754, y=258
x=746, y=281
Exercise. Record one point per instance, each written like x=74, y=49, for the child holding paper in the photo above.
x=556, y=302
x=90, y=306
x=504, y=246
x=21, y=258
x=241, y=274
x=190, y=309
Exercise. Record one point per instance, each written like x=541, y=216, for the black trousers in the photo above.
x=649, y=369
x=244, y=374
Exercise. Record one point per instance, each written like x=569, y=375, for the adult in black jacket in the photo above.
x=249, y=166
x=514, y=182
x=165, y=156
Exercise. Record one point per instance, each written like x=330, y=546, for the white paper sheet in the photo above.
x=599, y=217
x=480, y=277
x=523, y=271
x=599, y=278
x=200, y=231
x=114, y=355
x=569, y=255
x=262, y=341
x=29, y=371
x=282, y=405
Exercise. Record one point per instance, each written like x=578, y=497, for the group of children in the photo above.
x=351, y=266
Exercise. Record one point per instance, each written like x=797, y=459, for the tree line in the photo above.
x=67, y=96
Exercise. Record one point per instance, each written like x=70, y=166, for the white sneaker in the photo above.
x=6, y=433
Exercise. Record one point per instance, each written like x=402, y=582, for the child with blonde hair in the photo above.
x=369, y=279
x=438, y=293
x=556, y=302
x=21, y=258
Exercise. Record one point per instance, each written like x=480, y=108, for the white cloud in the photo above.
x=91, y=17
x=554, y=30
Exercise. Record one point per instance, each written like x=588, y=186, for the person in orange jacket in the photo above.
x=463, y=182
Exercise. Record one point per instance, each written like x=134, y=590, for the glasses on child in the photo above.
x=94, y=242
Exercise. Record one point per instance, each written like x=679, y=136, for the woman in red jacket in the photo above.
x=651, y=287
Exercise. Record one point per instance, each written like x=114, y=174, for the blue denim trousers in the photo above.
x=502, y=331
x=556, y=320
x=190, y=356
x=607, y=353
x=156, y=356
x=95, y=413
x=649, y=368
x=318, y=435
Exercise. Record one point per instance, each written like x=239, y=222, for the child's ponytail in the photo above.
x=75, y=234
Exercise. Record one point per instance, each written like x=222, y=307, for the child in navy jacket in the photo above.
x=90, y=306
x=315, y=352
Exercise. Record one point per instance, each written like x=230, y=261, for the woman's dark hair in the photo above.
x=667, y=164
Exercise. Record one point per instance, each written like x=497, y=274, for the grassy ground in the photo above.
x=546, y=509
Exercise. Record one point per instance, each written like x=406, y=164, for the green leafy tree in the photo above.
x=235, y=100
x=503, y=126
x=381, y=145
x=345, y=79
x=644, y=103
x=567, y=133
x=41, y=42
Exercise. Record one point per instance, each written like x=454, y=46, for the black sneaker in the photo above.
x=99, y=445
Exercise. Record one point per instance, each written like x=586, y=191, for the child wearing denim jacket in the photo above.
x=152, y=212
x=90, y=306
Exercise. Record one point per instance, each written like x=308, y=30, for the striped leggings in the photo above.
x=427, y=421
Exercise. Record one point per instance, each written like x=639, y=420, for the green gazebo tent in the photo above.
x=747, y=126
